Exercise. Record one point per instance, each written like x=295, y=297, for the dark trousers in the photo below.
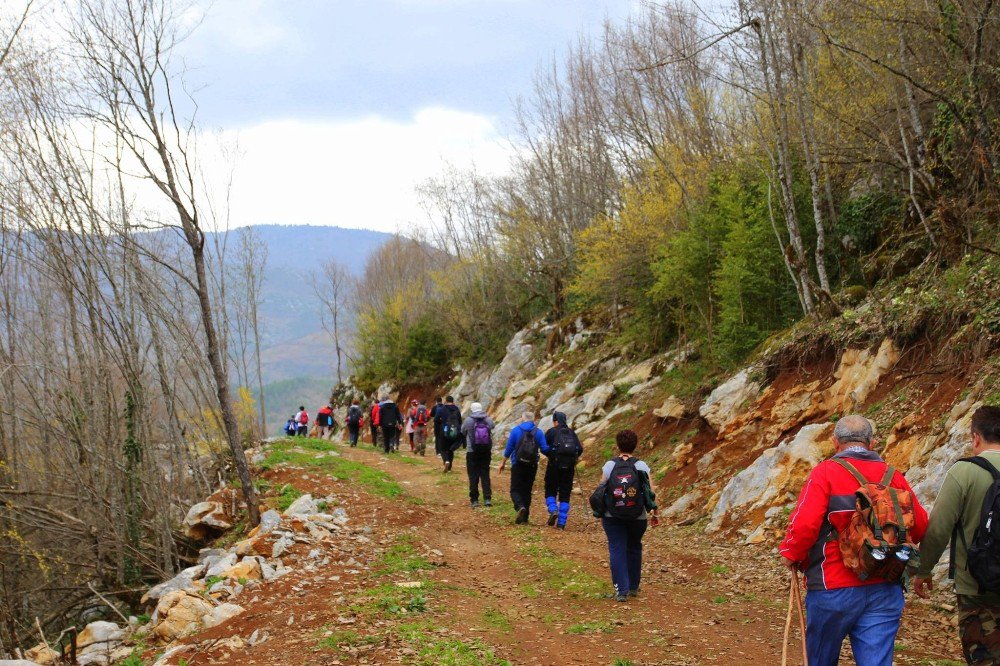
x=374, y=429
x=354, y=430
x=447, y=453
x=522, y=478
x=624, y=552
x=559, y=479
x=478, y=466
x=302, y=430
x=390, y=438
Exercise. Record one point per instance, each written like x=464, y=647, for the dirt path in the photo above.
x=433, y=581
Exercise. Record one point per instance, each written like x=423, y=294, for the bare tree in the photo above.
x=334, y=288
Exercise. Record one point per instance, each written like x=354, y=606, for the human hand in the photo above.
x=923, y=586
x=788, y=564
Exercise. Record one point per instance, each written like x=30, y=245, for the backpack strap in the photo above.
x=890, y=472
x=853, y=470
x=959, y=532
x=983, y=463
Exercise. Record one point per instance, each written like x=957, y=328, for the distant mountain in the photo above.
x=297, y=355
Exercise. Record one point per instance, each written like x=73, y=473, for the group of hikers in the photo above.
x=858, y=532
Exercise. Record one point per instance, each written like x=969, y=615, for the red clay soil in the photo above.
x=504, y=587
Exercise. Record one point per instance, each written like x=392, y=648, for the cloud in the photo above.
x=355, y=173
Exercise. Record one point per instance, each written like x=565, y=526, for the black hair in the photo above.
x=626, y=440
x=449, y=399
x=986, y=423
x=301, y=407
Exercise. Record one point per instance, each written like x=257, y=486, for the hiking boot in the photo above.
x=487, y=503
x=447, y=466
x=522, y=516
x=560, y=527
x=621, y=597
x=475, y=504
x=633, y=593
x=553, y=516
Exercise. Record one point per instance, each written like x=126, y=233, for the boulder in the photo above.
x=220, y=614
x=518, y=355
x=774, y=473
x=638, y=373
x=269, y=520
x=729, y=400
x=17, y=662
x=180, y=613
x=645, y=386
x=597, y=398
x=182, y=581
x=303, y=506
x=954, y=443
x=857, y=375
x=41, y=654
x=216, y=565
x=206, y=520
x=683, y=506
x=248, y=568
x=672, y=408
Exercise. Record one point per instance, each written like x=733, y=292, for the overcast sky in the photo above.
x=341, y=107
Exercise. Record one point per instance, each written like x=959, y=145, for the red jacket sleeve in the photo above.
x=920, y=519
x=807, y=518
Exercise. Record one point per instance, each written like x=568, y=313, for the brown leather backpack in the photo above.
x=875, y=543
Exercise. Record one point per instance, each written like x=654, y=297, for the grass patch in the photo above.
x=561, y=573
x=436, y=649
x=287, y=497
x=719, y=569
x=390, y=600
x=720, y=600
x=529, y=590
x=301, y=453
x=495, y=619
x=401, y=557
x=590, y=628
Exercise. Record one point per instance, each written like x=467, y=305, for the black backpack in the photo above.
x=354, y=415
x=565, y=444
x=625, y=493
x=527, y=448
x=452, y=427
x=388, y=415
x=983, y=554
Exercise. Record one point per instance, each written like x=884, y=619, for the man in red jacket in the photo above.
x=838, y=603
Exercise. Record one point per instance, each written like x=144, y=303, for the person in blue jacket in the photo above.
x=524, y=444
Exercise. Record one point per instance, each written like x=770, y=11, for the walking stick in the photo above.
x=794, y=601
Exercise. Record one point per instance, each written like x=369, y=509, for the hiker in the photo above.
x=629, y=507
x=355, y=420
x=410, y=416
x=325, y=422
x=564, y=452
x=957, y=514
x=451, y=431
x=437, y=416
x=291, y=426
x=419, y=418
x=373, y=421
x=478, y=432
x=523, y=445
x=391, y=423
x=851, y=590
x=302, y=422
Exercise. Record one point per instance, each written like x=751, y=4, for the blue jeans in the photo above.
x=868, y=614
x=624, y=552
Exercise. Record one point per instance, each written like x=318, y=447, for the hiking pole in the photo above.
x=794, y=601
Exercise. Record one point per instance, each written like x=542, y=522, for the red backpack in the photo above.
x=420, y=417
x=304, y=417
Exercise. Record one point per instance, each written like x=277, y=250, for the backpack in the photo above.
x=875, y=543
x=452, y=426
x=527, y=448
x=983, y=554
x=388, y=415
x=290, y=426
x=625, y=496
x=354, y=415
x=482, y=438
x=420, y=418
x=304, y=417
x=565, y=444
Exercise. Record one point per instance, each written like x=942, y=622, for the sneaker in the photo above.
x=621, y=597
x=633, y=593
x=522, y=515
x=447, y=466
x=560, y=527
x=487, y=503
x=475, y=505
x=552, y=518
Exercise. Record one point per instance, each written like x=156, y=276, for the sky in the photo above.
x=338, y=109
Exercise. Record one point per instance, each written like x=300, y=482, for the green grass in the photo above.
x=623, y=662
x=288, y=495
x=720, y=600
x=590, y=628
x=529, y=590
x=212, y=580
x=435, y=649
x=298, y=452
x=561, y=573
x=401, y=557
x=390, y=600
x=719, y=569
x=339, y=639
x=495, y=619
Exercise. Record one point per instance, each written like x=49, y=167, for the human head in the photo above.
x=528, y=416
x=355, y=402
x=423, y=401
x=985, y=428
x=853, y=430
x=559, y=418
x=438, y=399
x=414, y=403
x=626, y=440
x=301, y=408
x=477, y=406
x=450, y=400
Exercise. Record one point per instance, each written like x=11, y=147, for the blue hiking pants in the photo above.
x=868, y=614
x=624, y=552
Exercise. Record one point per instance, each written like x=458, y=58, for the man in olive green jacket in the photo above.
x=961, y=501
